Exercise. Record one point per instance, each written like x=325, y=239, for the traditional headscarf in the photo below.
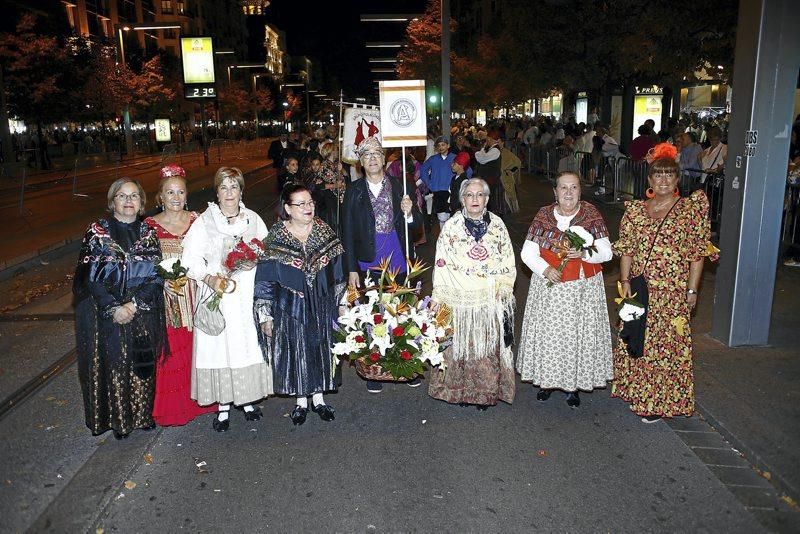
x=172, y=170
x=368, y=144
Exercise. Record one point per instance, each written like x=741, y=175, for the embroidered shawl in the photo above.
x=544, y=227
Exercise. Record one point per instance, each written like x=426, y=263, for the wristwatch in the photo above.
x=691, y=291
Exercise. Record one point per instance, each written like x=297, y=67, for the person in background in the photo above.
x=509, y=169
x=712, y=159
x=460, y=169
x=437, y=174
x=289, y=174
x=641, y=145
x=488, y=167
x=119, y=315
x=280, y=149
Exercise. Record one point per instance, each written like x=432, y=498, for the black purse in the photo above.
x=632, y=332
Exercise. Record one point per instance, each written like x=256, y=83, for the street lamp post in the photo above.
x=126, y=113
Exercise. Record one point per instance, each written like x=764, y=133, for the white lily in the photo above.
x=584, y=234
x=630, y=312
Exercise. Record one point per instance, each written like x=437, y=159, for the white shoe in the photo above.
x=649, y=419
x=792, y=263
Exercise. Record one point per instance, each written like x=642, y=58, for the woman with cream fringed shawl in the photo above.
x=474, y=276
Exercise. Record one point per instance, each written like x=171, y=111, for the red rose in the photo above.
x=374, y=357
x=424, y=327
x=377, y=318
x=405, y=354
x=359, y=339
x=398, y=331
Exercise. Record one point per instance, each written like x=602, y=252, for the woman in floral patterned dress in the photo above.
x=173, y=403
x=660, y=383
x=474, y=276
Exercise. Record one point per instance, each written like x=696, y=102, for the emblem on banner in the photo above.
x=403, y=112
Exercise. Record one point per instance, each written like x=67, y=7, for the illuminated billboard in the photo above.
x=197, y=54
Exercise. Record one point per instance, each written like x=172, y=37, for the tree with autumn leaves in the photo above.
x=531, y=48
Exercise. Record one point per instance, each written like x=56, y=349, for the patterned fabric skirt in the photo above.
x=173, y=404
x=566, y=336
x=661, y=382
x=240, y=386
x=482, y=381
x=386, y=245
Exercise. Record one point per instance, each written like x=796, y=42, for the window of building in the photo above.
x=166, y=7
x=71, y=14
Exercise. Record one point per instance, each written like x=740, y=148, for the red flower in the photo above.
x=398, y=331
x=405, y=354
x=359, y=339
x=374, y=357
x=424, y=327
x=377, y=318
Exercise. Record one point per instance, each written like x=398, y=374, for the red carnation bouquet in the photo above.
x=243, y=257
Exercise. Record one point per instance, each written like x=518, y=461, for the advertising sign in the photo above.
x=359, y=123
x=163, y=132
x=197, y=54
x=403, y=113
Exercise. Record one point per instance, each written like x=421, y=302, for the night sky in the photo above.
x=331, y=33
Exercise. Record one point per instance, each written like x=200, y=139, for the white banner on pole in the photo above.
x=403, y=113
x=359, y=123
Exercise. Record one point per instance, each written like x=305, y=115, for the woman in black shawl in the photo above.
x=298, y=288
x=119, y=315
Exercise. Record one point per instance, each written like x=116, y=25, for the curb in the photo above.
x=8, y=266
x=775, y=477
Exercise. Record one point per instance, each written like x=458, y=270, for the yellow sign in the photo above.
x=163, y=133
x=198, y=59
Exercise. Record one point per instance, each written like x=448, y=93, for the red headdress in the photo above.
x=172, y=170
x=662, y=151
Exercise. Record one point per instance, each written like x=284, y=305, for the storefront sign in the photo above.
x=163, y=132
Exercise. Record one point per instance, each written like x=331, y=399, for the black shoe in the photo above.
x=543, y=394
x=373, y=386
x=573, y=400
x=651, y=419
x=298, y=415
x=119, y=436
x=482, y=407
x=325, y=412
x=151, y=426
x=253, y=415
x=414, y=382
x=463, y=404
x=221, y=426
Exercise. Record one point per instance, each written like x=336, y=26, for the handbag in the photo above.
x=207, y=320
x=632, y=332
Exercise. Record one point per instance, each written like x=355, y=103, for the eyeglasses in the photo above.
x=371, y=155
x=309, y=204
x=474, y=195
x=123, y=197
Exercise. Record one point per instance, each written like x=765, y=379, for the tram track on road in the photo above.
x=34, y=384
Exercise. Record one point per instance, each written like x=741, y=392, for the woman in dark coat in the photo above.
x=298, y=287
x=119, y=315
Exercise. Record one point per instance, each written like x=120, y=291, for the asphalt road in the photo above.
x=397, y=461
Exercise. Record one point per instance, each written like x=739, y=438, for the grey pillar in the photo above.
x=767, y=60
x=626, y=129
x=445, y=68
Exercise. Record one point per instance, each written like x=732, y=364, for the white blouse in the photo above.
x=531, y=255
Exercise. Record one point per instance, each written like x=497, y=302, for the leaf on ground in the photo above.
x=99, y=530
x=788, y=500
x=130, y=484
x=148, y=458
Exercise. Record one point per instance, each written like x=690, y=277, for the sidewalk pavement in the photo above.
x=51, y=215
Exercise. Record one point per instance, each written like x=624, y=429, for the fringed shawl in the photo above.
x=544, y=227
x=476, y=280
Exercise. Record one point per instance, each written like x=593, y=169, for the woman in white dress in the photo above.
x=229, y=368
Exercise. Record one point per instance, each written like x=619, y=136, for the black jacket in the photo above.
x=358, y=222
x=278, y=154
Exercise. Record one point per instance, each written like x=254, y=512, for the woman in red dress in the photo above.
x=173, y=405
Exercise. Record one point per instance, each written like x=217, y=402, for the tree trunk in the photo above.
x=5, y=132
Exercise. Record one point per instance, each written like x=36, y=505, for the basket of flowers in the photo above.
x=388, y=331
